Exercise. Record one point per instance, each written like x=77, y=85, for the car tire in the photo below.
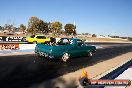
x=35, y=42
x=23, y=40
x=65, y=57
x=90, y=54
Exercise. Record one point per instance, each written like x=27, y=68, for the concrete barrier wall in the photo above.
x=26, y=46
x=9, y=46
x=9, y=49
x=17, y=46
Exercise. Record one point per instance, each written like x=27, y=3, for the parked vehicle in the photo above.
x=37, y=39
x=65, y=49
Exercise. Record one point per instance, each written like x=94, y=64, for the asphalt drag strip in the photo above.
x=24, y=71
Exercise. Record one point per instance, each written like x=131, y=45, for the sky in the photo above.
x=101, y=17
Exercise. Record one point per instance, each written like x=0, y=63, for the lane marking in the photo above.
x=110, y=70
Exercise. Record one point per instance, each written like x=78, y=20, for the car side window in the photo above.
x=64, y=42
x=71, y=42
x=80, y=42
x=41, y=37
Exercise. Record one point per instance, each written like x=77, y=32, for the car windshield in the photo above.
x=80, y=42
x=32, y=36
x=41, y=37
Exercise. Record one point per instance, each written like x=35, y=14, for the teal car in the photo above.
x=65, y=49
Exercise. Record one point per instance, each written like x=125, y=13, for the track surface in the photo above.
x=25, y=71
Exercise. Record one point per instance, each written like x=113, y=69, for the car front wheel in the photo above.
x=65, y=57
x=90, y=53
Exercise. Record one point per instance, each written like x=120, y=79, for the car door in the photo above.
x=73, y=48
x=66, y=47
x=81, y=48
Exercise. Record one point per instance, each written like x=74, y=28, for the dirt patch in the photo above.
x=95, y=39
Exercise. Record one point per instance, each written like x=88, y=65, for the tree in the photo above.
x=8, y=27
x=94, y=35
x=42, y=26
x=55, y=27
x=37, y=25
x=33, y=25
x=70, y=29
x=1, y=28
x=129, y=38
x=15, y=29
x=22, y=28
